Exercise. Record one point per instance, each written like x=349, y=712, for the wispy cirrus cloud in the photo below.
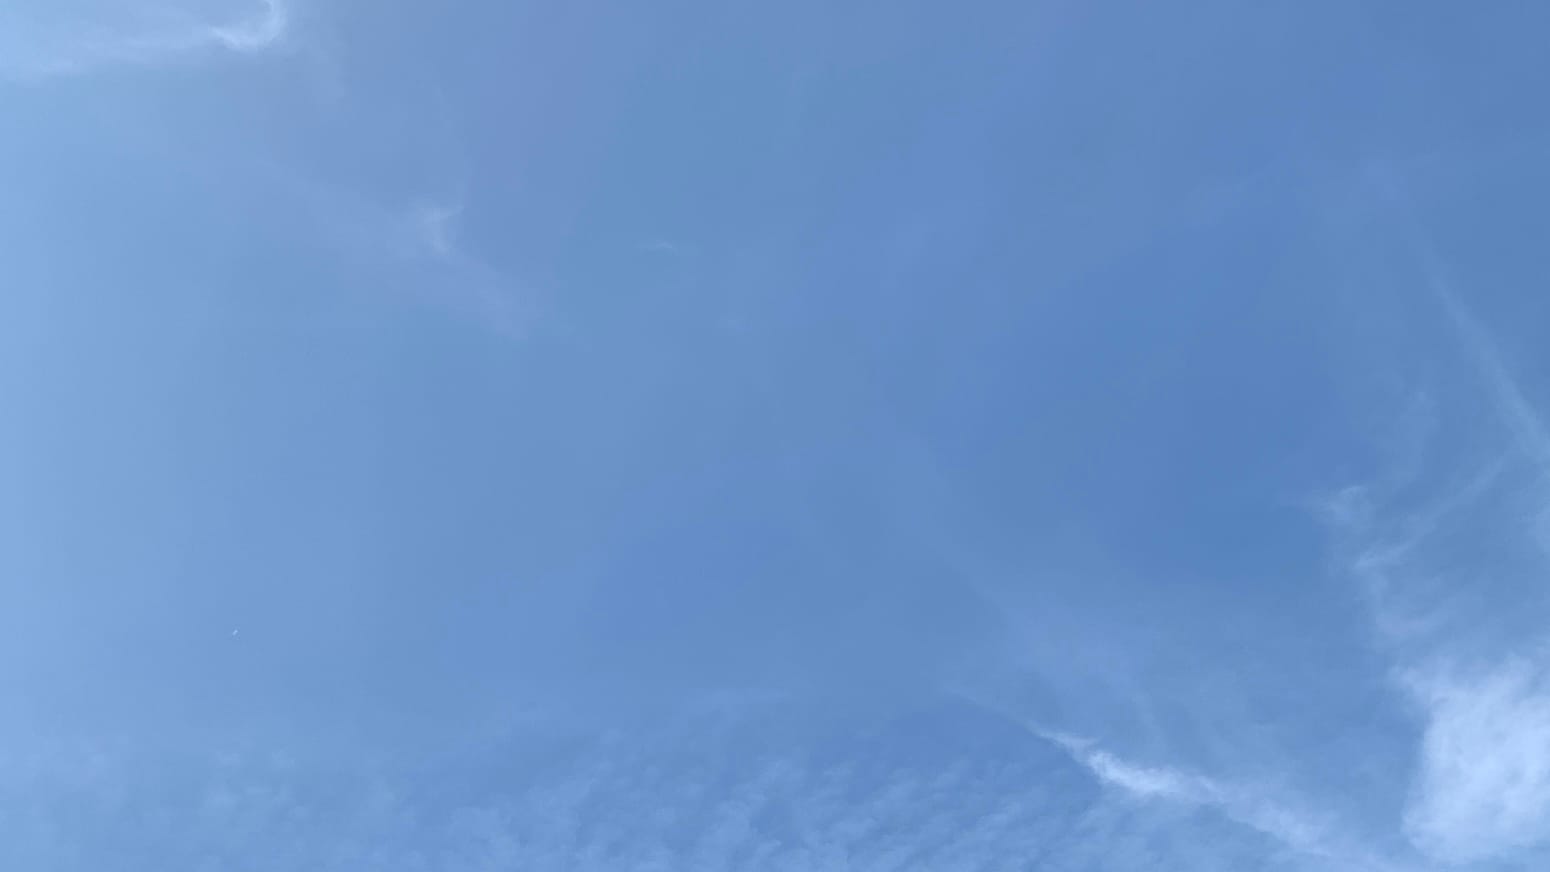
x=424, y=238
x=1294, y=829
x=896, y=798
x=77, y=42
x=1449, y=549
x=414, y=242
x=431, y=235
x=1479, y=680
x=1528, y=431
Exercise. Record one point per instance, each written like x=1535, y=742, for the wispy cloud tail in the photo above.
x=38, y=52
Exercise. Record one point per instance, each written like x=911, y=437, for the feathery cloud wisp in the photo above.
x=142, y=40
x=1285, y=824
x=256, y=33
x=1449, y=577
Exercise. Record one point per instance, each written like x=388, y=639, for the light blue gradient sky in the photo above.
x=803, y=436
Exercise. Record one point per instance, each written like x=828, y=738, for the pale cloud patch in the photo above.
x=430, y=233
x=1481, y=789
x=1484, y=782
x=71, y=41
x=256, y=33
x=435, y=228
x=418, y=244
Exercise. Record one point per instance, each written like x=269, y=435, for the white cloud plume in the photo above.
x=1451, y=562
x=1484, y=785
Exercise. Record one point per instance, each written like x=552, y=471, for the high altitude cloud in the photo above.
x=1296, y=832
x=896, y=799
x=1450, y=555
x=54, y=40
x=1484, y=786
x=1482, y=783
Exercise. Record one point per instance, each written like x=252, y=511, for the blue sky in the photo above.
x=807, y=436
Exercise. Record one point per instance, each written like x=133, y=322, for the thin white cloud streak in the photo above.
x=1266, y=812
x=1149, y=782
x=101, y=46
x=1522, y=420
x=1295, y=830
